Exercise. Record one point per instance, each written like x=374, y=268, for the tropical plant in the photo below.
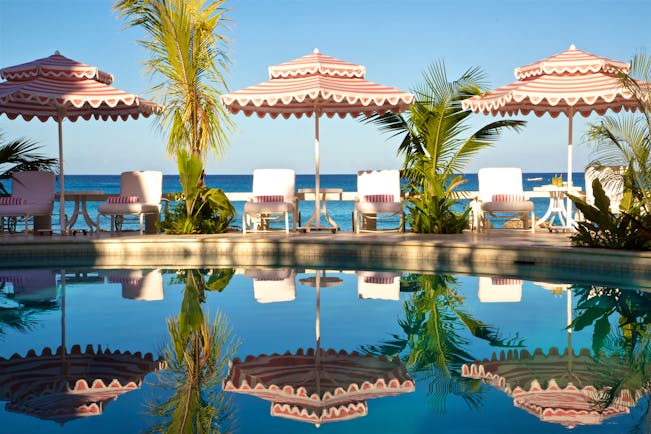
x=623, y=139
x=433, y=344
x=20, y=155
x=197, y=361
x=188, y=50
x=625, y=347
x=602, y=228
x=437, y=144
x=198, y=209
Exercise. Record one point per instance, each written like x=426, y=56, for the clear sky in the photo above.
x=396, y=41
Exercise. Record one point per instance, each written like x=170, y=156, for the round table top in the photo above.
x=321, y=190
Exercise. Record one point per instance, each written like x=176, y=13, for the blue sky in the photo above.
x=396, y=41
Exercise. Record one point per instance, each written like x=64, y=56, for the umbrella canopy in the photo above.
x=318, y=385
x=570, y=82
x=63, y=386
x=558, y=388
x=60, y=88
x=316, y=85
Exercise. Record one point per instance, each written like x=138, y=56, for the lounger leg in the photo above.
x=356, y=221
x=243, y=223
x=286, y=222
x=533, y=222
x=141, y=216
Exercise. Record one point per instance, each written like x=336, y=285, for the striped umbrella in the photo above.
x=61, y=88
x=557, y=388
x=566, y=83
x=318, y=386
x=63, y=386
x=317, y=85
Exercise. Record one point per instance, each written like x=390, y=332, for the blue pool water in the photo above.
x=341, y=211
x=432, y=324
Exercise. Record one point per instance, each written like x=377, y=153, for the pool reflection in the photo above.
x=256, y=349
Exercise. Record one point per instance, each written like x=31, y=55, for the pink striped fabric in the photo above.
x=36, y=89
x=572, y=81
x=380, y=280
x=317, y=82
x=55, y=66
x=379, y=198
x=508, y=198
x=269, y=199
x=16, y=280
x=505, y=281
x=11, y=200
x=123, y=199
x=318, y=379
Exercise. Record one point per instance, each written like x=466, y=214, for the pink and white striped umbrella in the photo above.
x=63, y=386
x=570, y=82
x=317, y=85
x=557, y=388
x=60, y=88
x=318, y=386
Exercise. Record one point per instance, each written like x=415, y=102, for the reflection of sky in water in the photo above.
x=98, y=314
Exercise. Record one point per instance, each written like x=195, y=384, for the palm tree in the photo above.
x=20, y=155
x=624, y=139
x=188, y=50
x=437, y=144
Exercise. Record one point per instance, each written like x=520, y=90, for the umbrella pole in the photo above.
x=318, y=311
x=569, y=221
x=317, y=178
x=62, y=200
x=63, y=313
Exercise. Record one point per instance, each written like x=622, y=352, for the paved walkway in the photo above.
x=540, y=256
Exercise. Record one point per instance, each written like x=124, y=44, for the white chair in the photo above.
x=383, y=285
x=140, y=194
x=32, y=195
x=273, y=198
x=501, y=192
x=611, y=181
x=500, y=290
x=139, y=284
x=378, y=198
x=273, y=285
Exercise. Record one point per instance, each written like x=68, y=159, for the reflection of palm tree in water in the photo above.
x=570, y=388
x=432, y=344
x=197, y=358
x=629, y=344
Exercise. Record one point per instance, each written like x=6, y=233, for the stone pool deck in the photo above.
x=541, y=256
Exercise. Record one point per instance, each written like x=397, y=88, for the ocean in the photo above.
x=341, y=211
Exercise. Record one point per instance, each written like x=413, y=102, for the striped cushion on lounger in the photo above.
x=505, y=281
x=381, y=280
x=123, y=199
x=508, y=198
x=16, y=280
x=11, y=200
x=379, y=198
x=269, y=198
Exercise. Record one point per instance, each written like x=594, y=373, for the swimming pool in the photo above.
x=420, y=348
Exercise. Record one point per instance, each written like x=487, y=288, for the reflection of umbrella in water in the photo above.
x=317, y=385
x=554, y=387
x=558, y=388
x=66, y=385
